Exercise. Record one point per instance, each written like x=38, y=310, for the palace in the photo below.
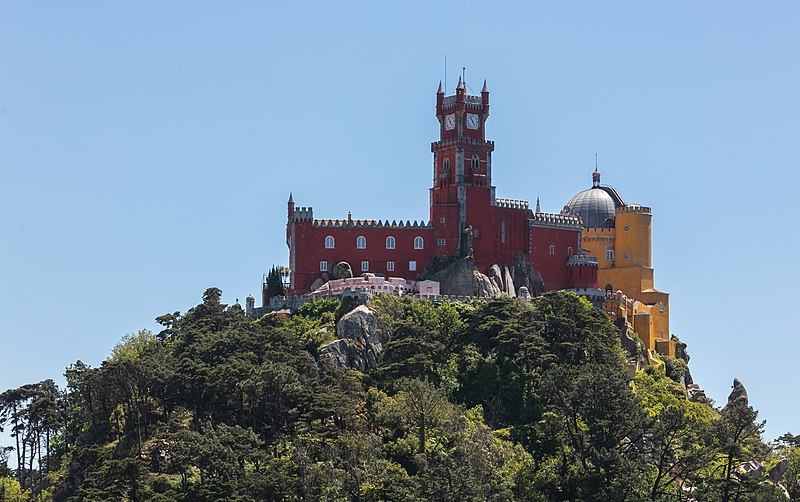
x=597, y=243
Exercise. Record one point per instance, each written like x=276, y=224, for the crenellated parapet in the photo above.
x=634, y=209
x=512, y=204
x=302, y=214
x=556, y=221
x=582, y=261
x=463, y=140
x=371, y=224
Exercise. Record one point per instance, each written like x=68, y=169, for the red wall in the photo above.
x=310, y=250
x=553, y=266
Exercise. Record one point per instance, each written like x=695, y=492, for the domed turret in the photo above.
x=597, y=205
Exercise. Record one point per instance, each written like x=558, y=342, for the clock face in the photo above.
x=450, y=122
x=472, y=121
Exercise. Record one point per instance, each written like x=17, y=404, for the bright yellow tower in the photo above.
x=620, y=236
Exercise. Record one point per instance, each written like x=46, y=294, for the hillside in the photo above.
x=401, y=399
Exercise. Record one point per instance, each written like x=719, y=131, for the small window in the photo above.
x=418, y=243
x=626, y=256
x=609, y=253
x=412, y=266
x=390, y=242
x=361, y=242
x=364, y=266
x=442, y=220
x=552, y=250
x=390, y=266
x=626, y=228
x=329, y=242
x=440, y=242
x=569, y=251
x=476, y=163
x=502, y=232
x=445, y=168
x=323, y=266
x=476, y=233
x=661, y=306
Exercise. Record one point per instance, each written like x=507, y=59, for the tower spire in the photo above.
x=538, y=207
x=485, y=87
x=441, y=89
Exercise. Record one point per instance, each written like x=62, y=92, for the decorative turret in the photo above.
x=596, y=177
x=290, y=206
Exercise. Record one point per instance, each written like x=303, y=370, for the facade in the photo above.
x=598, y=246
x=620, y=236
x=467, y=219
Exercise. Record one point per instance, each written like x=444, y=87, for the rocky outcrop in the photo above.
x=496, y=276
x=737, y=393
x=525, y=275
x=778, y=470
x=320, y=281
x=508, y=283
x=483, y=286
x=359, y=343
x=342, y=270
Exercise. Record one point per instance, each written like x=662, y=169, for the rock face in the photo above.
x=342, y=270
x=359, y=344
x=525, y=275
x=737, y=393
x=483, y=286
x=508, y=282
x=778, y=470
x=751, y=468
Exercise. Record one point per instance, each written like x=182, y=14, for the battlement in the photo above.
x=634, y=209
x=556, y=221
x=511, y=203
x=582, y=260
x=303, y=213
x=464, y=140
x=471, y=102
x=371, y=224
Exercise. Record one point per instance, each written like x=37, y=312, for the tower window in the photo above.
x=390, y=242
x=412, y=266
x=476, y=163
x=390, y=266
x=323, y=266
x=661, y=306
x=445, y=168
x=476, y=232
x=609, y=253
x=442, y=220
x=364, y=266
x=552, y=250
x=418, y=243
x=361, y=242
x=329, y=242
x=440, y=242
x=569, y=251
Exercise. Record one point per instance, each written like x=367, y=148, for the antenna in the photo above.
x=595, y=162
x=445, y=72
x=464, y=74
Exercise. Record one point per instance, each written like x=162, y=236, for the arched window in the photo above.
x=329, y=242
x=361, y=242
x=476, y=163
x=609, y=253
x=445, y=168
x=390, y=242
x=418, y=243
x=569, y=251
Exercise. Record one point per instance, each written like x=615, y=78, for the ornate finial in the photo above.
x=291, y=199
x=441, y=89
x=485, y=87
x=538, y=207
x=596, y=178
x=460, y=84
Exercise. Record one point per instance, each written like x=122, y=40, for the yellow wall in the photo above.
x=631, y=272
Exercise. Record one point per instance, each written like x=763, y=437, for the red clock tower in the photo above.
x=462, y=160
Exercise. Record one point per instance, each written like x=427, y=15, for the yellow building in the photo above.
x=620, y=236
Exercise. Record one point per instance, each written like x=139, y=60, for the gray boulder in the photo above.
x=778, y=470
x=751, y=468
x=495, y=274
x=483, y=287
x=342, y=270
x=508, y=283
x=737, y=393
x=359, y=344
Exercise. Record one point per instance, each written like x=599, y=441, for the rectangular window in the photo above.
x=412, y=266
x=442, y=220
x=552, y=250
x=390, y=266
x=441, y=242
x=502, y=232
x=364, y=266
x=476, y=233
x=323, y=266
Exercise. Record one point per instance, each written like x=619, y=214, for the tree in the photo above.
x=275, y=282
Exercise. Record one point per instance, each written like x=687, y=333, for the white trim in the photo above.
x=330, y=242
x=419, y=242
x=361, y=242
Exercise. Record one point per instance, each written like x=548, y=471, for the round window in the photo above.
x=627, y=228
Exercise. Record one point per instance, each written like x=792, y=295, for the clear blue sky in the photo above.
x=147, y=150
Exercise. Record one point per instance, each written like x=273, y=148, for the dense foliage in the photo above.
x=489, y=400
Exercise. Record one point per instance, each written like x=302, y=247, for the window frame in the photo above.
x=365, y=266
x=390, y=266
x=412, y=265
x=393, y=241
x=361, y=242
x=330, y=242
x=419, y=242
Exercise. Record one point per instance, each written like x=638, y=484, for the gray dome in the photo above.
x=597, y=205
